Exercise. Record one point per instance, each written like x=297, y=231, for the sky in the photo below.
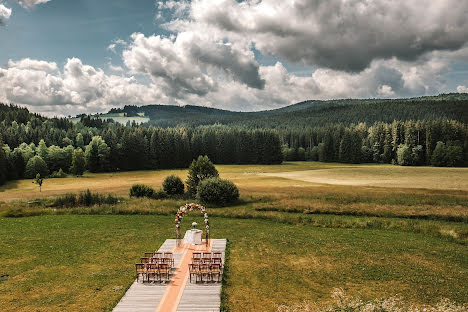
x=61, y=57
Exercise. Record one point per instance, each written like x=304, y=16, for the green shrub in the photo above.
x=159, y=194
x=36, y=165
x=217, y=191
x=58, y=174
x=86, y=198
x=67, y=200
x=173, y=185
x=141, y=190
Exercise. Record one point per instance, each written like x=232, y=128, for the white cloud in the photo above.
x=28, y=4
x=115, y=68
x=5, y=13
x=462, y=89
x=111, y=47
x=28, y=63
x=78, y=88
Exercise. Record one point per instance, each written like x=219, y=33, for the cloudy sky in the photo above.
x=62, y=57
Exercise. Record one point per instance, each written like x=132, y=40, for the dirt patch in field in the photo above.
x=384, y=176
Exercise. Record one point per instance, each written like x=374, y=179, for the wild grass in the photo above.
x=86, y=262
x=344, y=303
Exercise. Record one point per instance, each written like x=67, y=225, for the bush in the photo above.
x=36, y=165
x=200, y=169
x=141, y=190
x=86, y=198
x=217, y=191
x=159, y=194
x=58, y=174
x=173, y=185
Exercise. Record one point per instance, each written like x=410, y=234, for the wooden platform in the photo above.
x=179, y=294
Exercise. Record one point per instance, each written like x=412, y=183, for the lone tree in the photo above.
x=38, y=180
x=199, y=170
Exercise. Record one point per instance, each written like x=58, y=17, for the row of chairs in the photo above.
x=158, y=257
x=153, y=270
x=207, y=255
x=208, y=261
x=200, y=271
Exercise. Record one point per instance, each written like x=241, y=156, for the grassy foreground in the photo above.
x=85, y=263
x=296, y=233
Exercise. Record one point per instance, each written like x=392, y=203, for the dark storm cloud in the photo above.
x=339, y=34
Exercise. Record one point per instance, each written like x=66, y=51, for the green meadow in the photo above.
x=293, y=240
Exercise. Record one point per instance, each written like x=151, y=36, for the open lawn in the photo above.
x=385, y=176
x=85, y=263
x=293, y=240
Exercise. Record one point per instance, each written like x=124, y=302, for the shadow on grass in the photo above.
x=9, y=185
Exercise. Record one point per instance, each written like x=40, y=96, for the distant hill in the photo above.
x=309, y=113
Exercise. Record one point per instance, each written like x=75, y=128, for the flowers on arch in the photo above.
x=189, y=207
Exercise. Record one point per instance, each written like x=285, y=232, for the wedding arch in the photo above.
x=180, y=215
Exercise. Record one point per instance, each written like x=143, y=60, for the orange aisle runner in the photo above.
x=176, y=286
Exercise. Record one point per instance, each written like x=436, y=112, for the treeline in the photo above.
x=432, y=142
x=312, y=113
x=105, y=146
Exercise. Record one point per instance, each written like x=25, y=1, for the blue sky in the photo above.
x=57, y=55
x=61, y=29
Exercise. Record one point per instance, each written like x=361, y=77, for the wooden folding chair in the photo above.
x=153, y=270
x=205, y=260
x=194, y=269
x=217, y=261
x=158, y=255
x=149, y=254
x=206, y=255
x=196, y=260
x=164, y=270
x=170, y=255
x=196, y=255
x=167, y=261
x=140, y=271
x=215, y=269
x=205, y=271
x=145, y=260
x=217, y=254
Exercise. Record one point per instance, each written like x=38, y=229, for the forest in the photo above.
x=421, y=131
x=55, y=146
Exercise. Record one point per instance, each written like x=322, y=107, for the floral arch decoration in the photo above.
x=180, y=215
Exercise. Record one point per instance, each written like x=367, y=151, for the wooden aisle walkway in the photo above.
x=203, y=297
x=179, y=294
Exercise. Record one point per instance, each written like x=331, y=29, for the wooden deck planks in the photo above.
x=195, y=297
x=203, y=297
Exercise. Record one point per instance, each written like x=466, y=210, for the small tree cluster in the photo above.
x=199, y=170
x=447, y=155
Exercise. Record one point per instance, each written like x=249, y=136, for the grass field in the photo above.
x=294, y=238
x=85, y=263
